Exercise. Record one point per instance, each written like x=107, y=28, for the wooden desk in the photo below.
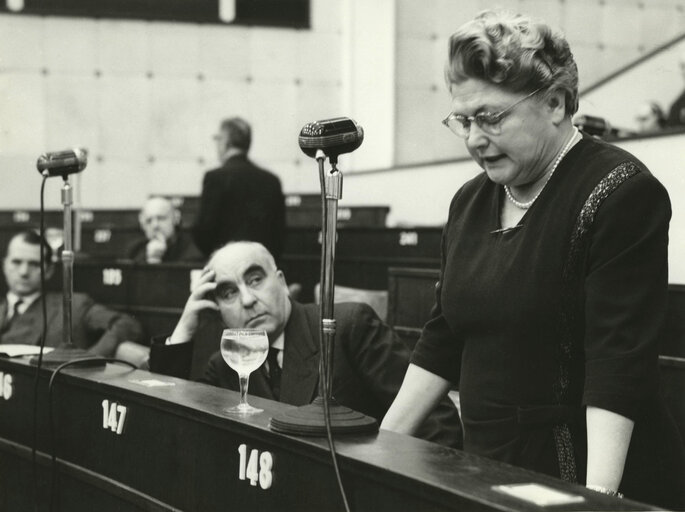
x=388, y=243
x=172, y=448
x=673, y=342
x=672, y=377
x=411, y=296
x=154, y=294
x=124, y=283
x=363, y=255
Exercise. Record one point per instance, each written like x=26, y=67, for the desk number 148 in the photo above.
x=255, y=468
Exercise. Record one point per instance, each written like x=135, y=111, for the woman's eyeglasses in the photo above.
x=490, y=123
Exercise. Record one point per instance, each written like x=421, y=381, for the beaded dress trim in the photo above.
x=571, y=277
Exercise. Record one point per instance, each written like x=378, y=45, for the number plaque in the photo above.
x=113, y=416
x=255, y=467
x=6, y=385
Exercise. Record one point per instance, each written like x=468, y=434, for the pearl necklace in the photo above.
x=525, y=206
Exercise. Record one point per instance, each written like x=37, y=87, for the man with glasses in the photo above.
x=240, y=201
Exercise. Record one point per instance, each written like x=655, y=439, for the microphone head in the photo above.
x=332, y=136
x=62, y=163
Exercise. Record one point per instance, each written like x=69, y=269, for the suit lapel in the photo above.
x=3, y=314
x=33, y=318
x=300, y=377
x=259, y=384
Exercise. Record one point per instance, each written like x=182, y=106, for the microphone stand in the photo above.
x=311, y=419
x=67, y=351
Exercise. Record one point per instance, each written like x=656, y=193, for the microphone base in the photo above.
x=62, y=355
x=309, y=420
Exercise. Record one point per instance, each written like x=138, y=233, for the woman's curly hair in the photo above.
x=515, y=52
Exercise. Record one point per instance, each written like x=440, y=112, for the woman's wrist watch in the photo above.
x=604, y=490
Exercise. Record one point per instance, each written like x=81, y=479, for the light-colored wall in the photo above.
x=145, y=97
x=656, y=79
x=604, y=35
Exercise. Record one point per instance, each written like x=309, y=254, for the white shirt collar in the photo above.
x=27, y=300
x=279, y=342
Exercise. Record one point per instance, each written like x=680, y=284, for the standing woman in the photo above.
x=554, y=278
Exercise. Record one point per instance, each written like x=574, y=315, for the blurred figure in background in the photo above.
x=95, y=328
x=650, y=117
x=676, y=114
x=164, y=241
x=239, y=201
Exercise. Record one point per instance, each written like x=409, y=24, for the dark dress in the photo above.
x=560, y=312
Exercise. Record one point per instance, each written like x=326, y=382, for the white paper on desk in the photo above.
x=16, y=350
x=539, y=494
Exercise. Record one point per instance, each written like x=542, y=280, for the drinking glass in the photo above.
x=244, y=350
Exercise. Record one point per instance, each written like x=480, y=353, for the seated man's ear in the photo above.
x=177, y=217
x=141, y=221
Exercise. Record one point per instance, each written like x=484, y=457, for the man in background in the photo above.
x=676, y=113
x=95, y=328
x=239, y=201
x=164, y=241
x=241, y=287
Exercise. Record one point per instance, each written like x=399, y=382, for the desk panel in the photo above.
x=107, y=241
x=164, y=285
x=387, y=243
x=411, y=295
x=172, y=446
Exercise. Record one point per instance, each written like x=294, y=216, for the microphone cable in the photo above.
x=44, y=314
x=51, y=424
x=323, y=363
x=34, y=469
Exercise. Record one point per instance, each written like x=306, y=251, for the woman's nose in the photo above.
x=477, y=137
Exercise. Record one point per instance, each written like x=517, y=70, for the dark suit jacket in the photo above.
x=368, y=369
x=94, y=326
x=240, y=201
x=181, y=249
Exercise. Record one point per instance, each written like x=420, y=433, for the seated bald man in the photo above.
x=241, y=287
x=164, y=241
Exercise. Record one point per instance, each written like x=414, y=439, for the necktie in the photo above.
x=10, y=319
x=274, y=372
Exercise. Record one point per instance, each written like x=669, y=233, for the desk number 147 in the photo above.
x=255, y=468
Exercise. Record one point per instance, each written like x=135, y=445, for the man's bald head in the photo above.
x=250, y=292
x=159, y=217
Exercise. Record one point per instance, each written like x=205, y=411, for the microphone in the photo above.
x=332, y=136
x=62, y=163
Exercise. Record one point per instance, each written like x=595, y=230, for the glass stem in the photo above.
x=243, y=388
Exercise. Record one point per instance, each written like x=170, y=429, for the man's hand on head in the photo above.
x=201, y=298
